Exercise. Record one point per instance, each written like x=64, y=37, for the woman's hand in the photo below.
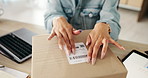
x=64, y=32
x=98, y=36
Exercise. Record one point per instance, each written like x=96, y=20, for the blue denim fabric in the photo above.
x=85, y=15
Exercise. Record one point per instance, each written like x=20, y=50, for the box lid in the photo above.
x=48, y=61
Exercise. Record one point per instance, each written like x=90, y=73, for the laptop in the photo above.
x=17, y=45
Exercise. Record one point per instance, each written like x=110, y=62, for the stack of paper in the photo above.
x=11, y=73
x=5, y=75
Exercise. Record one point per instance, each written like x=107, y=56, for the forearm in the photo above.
x=53, y=12
x=110, y=15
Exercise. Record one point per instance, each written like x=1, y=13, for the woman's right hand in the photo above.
x=64, y=32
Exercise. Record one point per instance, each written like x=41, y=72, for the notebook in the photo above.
x=5, y=75
x=6, y=72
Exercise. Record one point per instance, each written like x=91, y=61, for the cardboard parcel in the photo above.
x=48, y=61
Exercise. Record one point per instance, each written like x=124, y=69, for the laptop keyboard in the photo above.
x=17, y=46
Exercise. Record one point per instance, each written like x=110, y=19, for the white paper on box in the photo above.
x=80, y=55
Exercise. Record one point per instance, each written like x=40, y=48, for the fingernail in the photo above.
x=93, y=61
x=80, y=30
x=122, y=48
x=60, y=47
x=88, y=60
x=102, y=55
x=87, y=43
x=69, y=52
x=73, y=51
x=48, y=38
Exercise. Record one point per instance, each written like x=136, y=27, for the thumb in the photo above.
x=76, y=32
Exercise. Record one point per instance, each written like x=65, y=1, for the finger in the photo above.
x=76, y=32
x=88, y=41
x=95, y=50
x=73, y=46
x=90, y=50
x=51, y=35
x=117, y=44
x=60, y=41
x=65, y=37
x=71, y=41
x=104, y=48
x=68, y=49
x=89, y=53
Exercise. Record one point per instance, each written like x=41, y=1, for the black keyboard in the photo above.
x=18, y=47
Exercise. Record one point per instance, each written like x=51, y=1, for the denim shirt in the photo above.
x=85, y=14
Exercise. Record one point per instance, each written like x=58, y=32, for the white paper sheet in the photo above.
x=137, y=66
x=80, y=55
x=15, y=73
x=5, y=75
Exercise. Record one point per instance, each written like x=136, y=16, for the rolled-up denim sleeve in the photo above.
x=54, y=9
x=110, y=15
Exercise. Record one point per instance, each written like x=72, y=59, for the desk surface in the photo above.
x=7, y=26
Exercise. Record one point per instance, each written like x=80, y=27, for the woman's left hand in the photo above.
x=97, y=37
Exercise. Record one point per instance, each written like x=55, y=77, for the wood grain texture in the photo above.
x=50, y=62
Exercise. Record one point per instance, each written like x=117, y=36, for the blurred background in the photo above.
x=134, y=16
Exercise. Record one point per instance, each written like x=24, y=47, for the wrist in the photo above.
x=59, y=19
x=104, y=24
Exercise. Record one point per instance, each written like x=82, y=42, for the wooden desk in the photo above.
x=129, y=46
x=7, y=26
